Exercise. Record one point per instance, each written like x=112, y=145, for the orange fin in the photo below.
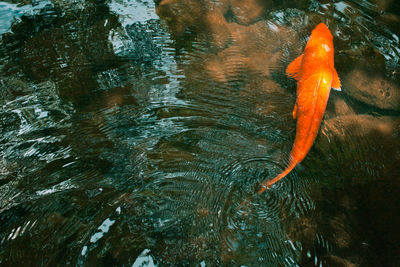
x=295, y=111
x=336, y=81
x=294, y=67
x=166, y=2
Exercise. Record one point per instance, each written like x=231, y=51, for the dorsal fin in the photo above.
x=335, y=81
x=294, y=67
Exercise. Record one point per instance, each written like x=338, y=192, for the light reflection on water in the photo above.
x=10, y=12
x=136, y=133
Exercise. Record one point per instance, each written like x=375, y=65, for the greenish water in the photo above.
x=136, y=133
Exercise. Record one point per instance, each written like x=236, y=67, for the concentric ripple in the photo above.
x=252, y=222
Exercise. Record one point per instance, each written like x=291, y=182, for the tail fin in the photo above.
x=268, y=183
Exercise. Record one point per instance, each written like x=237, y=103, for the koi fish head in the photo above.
x=321, y=40
x=321, y=31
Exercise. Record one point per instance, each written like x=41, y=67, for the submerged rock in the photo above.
x=261, y=56
x=226, y=65
x=216, y=28
x=341, y=107
x=348, y=146
x=201, y=17
x=248, y=11
x=374, y=90
x=363, y=125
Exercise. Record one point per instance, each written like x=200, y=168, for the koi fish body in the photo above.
x=315, y=74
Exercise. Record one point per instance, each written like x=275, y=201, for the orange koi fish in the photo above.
x=315, y=74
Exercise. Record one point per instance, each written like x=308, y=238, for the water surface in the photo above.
x=136, y=133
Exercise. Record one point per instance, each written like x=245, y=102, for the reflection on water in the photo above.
x=136, y=132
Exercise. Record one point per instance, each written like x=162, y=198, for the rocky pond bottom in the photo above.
x=136, y=133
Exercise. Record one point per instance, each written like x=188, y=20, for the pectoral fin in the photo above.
x=167, y=2
x=294, y=67
x=295, y=111
x=336, y=81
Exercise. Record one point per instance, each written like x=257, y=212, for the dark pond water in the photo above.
x=136, y=132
